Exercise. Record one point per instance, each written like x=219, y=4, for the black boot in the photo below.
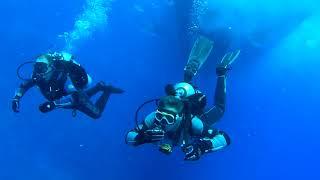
x=111, y=89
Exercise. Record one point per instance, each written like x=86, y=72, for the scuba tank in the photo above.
x=194, y=105
x=195, y=101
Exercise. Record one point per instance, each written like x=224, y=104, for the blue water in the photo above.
x=273, y=90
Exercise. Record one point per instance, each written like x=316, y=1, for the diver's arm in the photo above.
x=217, y=111
x=216, y=139
x=135, y=136
x=210, y=141
x=23, y=88
x=77, y=74
x=145, y=133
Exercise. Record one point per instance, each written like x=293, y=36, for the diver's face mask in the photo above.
x=165, y=117
x=40, y=70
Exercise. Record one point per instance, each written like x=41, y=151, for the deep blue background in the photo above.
x=272, y=112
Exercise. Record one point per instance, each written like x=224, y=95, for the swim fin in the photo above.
x=198, y=55
x=229, y=58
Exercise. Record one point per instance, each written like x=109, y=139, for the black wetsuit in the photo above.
x=214, y=114
x=53, y=84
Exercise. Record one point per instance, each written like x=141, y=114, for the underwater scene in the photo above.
x=160, y=90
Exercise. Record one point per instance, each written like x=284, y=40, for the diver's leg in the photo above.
x=70, y=88
x=64, y=102
x=103, y=99
x=82, y=103
x=80, y=100
x=94, y=90
x=215, y=113
x=220, y=93
x=85, y=105
x=190, y=70
x=221, y=71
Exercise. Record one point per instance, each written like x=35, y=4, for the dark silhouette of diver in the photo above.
x=65, y=84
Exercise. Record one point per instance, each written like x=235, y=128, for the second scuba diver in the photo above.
x=180, y=119
x=65, y=84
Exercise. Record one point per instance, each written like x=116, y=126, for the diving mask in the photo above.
x=165, y=117
x=41, y=68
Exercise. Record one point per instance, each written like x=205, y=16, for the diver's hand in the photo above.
x=47, y=107
x=153, y=135
x=194, y=151
x=16, y=105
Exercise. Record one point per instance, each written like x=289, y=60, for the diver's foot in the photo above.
x=114, y=90
x=102, y=85
x=110, y=88
x=222, y=71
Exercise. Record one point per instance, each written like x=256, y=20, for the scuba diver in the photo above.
x=65, y=84
x=180, y=118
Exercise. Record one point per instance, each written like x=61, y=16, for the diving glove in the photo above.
x=16, y=105
x=194, y=151
x=150, y=136
x=153, y=135
x=47, y=107
x=110, y=88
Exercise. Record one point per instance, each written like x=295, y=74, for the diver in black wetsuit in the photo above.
x=64, y=83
